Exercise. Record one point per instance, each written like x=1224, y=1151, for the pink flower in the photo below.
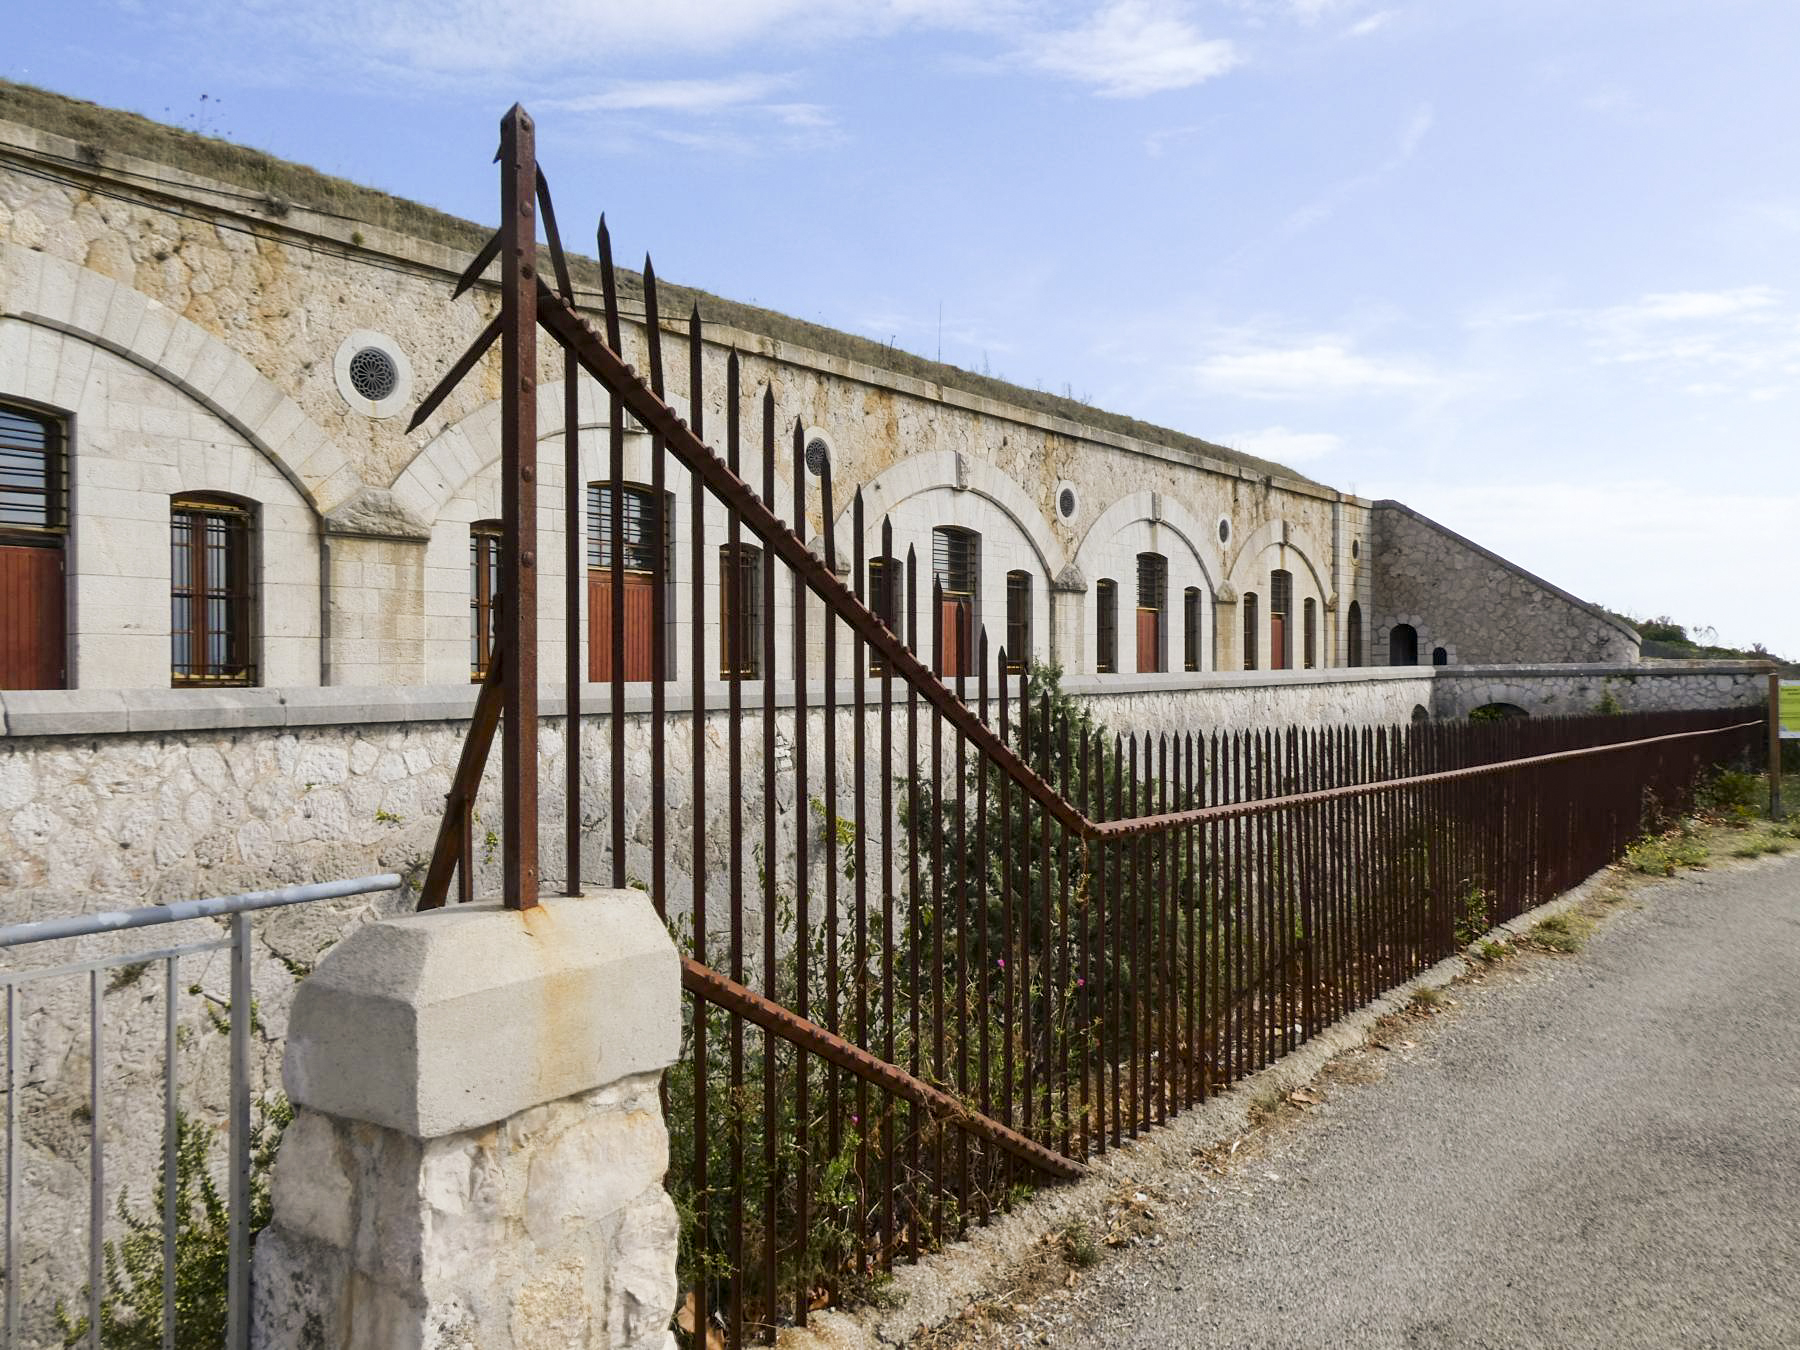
x=1001, y=963
x=1080, y=983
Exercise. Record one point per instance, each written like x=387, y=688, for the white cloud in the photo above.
x=1131, y=48
x=1286, y=447
x=1321, y=368
x=686, y=96
x=1666, y=306
x=1374, y=23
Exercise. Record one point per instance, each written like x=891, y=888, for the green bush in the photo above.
x=131, y=1305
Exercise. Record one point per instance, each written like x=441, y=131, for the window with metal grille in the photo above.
x=1152, y=601
x=1354, y=635
x=484, y=594
x=33, y=477
x=643, y=550
x=1251, y=621
x=884, y=599
x=740, y=611
x=1190, y=628
x=1018, y=621
x=1311, y=613
x=953, y=559
x=1152, y=581
x=1106, y=626
x=1281, y=592
x=211, y=592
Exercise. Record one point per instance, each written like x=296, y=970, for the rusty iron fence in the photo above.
x=948, y=939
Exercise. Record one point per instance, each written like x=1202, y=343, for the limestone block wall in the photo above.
x=1245, y=701
x=1480, y=608
x=1650, y=686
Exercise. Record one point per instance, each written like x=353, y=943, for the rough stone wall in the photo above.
x=1553, y=691
x=548, y=1231
x=1240, y=702
x=1475, y=604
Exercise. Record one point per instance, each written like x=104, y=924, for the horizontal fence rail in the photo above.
x=945, y=938
x=108, y=1313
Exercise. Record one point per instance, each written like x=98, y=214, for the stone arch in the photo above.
x=949, y=469
x=1288, y=535
x=1128, y=527
x=57, y=295
x=1163, y=510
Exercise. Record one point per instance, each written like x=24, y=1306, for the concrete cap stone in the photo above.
x=449, y=1020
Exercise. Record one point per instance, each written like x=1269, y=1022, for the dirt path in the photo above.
x=1591, y=1149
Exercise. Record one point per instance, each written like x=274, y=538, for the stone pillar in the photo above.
x=1228, y=642
x=374, y=592
x=1068, y=621
x=477, y=1153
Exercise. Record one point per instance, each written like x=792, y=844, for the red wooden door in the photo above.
x=958, y=638
x=1278, y=659
x=640, y=634
x=1149, y=640
x=32, y=630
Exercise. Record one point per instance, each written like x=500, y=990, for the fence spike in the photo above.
x=609, y=284
x=653, y=327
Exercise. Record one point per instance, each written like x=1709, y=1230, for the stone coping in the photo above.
x=96, y=712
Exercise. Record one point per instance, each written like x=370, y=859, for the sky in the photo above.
x=1530, y=266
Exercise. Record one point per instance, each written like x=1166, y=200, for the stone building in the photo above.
x=207, y=360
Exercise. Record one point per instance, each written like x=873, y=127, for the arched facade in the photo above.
x=1147, y=523
x=1281, y=546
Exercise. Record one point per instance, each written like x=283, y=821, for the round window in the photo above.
x=373, y=374
x=1068, y=501
x=1224, y=530
x=1356, y=548
x=818, y=456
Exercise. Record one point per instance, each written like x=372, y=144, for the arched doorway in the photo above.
x=1403, y=645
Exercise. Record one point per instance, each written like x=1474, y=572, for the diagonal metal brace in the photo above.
x=705, y=982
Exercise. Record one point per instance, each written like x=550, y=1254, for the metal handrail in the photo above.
x=120, y=920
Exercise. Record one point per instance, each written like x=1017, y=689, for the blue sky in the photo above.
x=1532, y=266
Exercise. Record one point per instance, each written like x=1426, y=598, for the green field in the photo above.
x=1790, y=708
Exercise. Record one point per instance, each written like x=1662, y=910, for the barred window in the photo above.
x=1018, y=621
x=1106, y=626
x=740, y=611
x=953, y=560
x=884, y=599
x=211, y=592
x=1281, y=592
x=1190, y=630
x=33, y=477
x=484, y=594
x=1251, y=620
x=643, y=525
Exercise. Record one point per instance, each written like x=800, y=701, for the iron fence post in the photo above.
x=1775, y=808
x=237, y=1313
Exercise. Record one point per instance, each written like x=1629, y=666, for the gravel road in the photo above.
x=1598, y=1150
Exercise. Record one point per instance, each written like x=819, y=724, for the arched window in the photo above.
x=1281, y=602
x=34, y=527
x=740, y=611
x=211, y=592
x=643, y=558
x=956, y=572
x=1248, y=606
x=1152, y=602
x=1018, y=621
x=1190, y=628
x=484, y=593
x=1106, y=626
x=1311, y=632
x=884, y=599
x=1354, y=635
x=1440, y=657
x=1403, y=645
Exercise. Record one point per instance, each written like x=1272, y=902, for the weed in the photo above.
x=126, y=976
x=1078, y=1246
x=1492, y=951
x=1426, y=1000
x=1474, y=919
x=1662, y=855
x=1561, y=933
x=1732, y=795
x=1609, y=705
x=356, y=238
x=387, y=817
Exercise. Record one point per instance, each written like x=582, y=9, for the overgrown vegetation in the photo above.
x=131, y=1303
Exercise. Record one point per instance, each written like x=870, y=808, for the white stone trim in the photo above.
x=359, y=340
